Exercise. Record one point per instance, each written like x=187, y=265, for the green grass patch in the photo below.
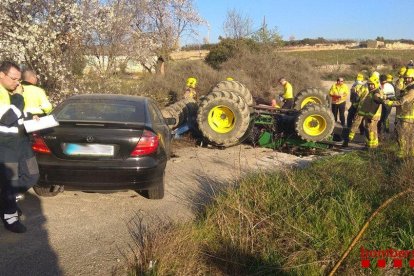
x=297, y=222
x=349, y=56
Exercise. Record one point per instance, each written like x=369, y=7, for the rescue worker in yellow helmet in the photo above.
x=287, y=95
x=35, y=99
x=358, y=91
x=375, y=76
x=370, y=111
x=389, y=92
x=405, y=116
x=339, y=93
x=190, y=90
x=399, y=83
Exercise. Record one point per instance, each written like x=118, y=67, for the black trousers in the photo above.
x=339, y=108
x=287, y=104
x=18, y=171
x=384, y=123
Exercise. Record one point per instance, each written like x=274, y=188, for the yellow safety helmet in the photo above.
x=360, y=77
x=191, y=82
x=229, y=79
x=402, y=71
x=390, y=77
x=373, y=80
x=409, y=73
x=375, y=75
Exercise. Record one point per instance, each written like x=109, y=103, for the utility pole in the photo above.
x=208, y=33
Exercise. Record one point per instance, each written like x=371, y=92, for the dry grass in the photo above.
x=296, y=221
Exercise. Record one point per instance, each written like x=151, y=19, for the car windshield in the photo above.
x=102, y=111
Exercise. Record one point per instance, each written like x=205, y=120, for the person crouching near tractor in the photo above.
x=190, y=89
x=405, y=116
x=369, y=110
x=287, y=95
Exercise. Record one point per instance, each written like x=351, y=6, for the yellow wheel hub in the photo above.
x=221, y=119
x=310, y=100
x=314, y=125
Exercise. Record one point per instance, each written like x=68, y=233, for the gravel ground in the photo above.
x=77, y=233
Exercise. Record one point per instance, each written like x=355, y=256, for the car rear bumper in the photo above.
x=90, y=178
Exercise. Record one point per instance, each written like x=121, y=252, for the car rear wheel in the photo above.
x=45, y=191
x=155, y=193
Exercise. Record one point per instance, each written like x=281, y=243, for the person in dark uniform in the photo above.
x=18, y=166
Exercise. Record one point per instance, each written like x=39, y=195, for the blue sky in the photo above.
x=346, y=19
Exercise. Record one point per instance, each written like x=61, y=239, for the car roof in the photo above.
x=110, y=97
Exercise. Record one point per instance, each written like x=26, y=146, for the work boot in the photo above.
x=12, y=223
x=345, y=144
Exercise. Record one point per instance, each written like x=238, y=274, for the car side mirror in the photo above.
x=170, y=121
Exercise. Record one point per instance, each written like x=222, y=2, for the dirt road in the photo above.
x=78, y=233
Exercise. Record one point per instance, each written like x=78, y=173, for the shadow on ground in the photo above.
x=28, y=253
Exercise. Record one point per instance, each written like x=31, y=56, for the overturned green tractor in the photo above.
x=227, y=116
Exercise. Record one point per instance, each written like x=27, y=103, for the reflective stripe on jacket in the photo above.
x=405, y=105
x=370, y=105
x=9, y=114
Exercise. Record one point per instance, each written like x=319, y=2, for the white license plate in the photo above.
x=88, y=149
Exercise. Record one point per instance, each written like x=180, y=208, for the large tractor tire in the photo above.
x=181, y=111
x=236, y=88
x=310, y=96
x=223, y=118
x=314, y=123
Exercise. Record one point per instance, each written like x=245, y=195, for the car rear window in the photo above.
x=102, y=111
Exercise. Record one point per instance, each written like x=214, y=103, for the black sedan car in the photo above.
x=104, y=142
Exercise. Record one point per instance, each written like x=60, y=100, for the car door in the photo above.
x=160, y=127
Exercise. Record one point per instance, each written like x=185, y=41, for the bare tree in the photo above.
x=237, y=25
x=166, y=21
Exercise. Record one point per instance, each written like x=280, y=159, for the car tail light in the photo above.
x=39, y=145
x=147, y=144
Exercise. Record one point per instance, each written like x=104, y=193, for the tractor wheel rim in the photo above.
x=310, y=100
x=221, y=119
x=314, y=125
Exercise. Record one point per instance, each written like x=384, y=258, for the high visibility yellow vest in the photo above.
x=35, y=100
x=339, y=93
x=4, y=96
x=288, y=93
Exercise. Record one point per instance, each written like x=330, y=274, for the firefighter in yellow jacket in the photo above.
x=339, y=93
x=368, y=109
x=405, y=116
x=35, y=99
x=399, y=83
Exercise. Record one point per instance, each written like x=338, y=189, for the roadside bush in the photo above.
x=173, y=82
x=228, y=48
x=260, y=71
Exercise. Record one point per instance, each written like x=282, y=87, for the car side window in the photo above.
x=155, y=116
x=158, y=111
